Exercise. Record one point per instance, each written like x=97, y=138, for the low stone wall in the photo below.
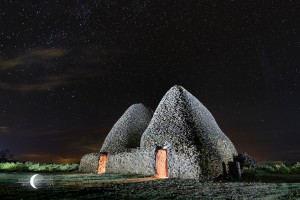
x=89, y=163
x=139, y=161
x=133, y=161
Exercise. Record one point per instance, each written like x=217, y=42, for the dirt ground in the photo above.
x=116, y=186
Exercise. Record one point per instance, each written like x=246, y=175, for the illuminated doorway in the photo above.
x=161, y=163
x=102, y=163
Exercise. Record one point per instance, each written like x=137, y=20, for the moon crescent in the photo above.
x=32, y=181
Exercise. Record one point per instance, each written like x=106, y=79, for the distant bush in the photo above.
x=10, y=166
x=281, y=168
x=296, y=168
x=36, y=167
x=245, y=160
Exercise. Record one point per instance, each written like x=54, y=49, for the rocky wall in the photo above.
x=89, y=163
x=131, y=162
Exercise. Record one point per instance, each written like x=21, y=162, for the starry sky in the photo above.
x=69, y=70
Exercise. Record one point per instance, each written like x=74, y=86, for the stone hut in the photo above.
x=127, y=131
x=181, y=139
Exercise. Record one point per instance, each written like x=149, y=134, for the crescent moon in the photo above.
x=32, y=181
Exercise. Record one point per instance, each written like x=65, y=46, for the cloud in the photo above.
x=65, y=145
x=74, y=72
x=32, y=155
x=34, y=56
x=40, y=53
x=294, y=152
x=11, y=63
x=47, y=84
x=3, y=129
x=47, y=158
x=65, y=160
x=47, y=53
x=96, y=54
x=86, y=143
x=73, y=139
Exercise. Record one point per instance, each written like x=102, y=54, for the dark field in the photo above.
x=116, y=186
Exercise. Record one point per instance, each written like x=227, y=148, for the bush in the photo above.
x=267, y=168
x=11, y=166
x=281, y=168
x=296, y=168
x=245, y=160
x=36, y=167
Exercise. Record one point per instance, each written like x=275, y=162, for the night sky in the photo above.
x=70, y=69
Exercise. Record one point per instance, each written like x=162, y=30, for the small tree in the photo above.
x=245, y=160
x=4, y=155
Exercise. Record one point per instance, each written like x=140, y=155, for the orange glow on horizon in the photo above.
x=46, y=158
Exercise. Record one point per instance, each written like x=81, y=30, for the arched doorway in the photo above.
x=161, y=163
x=102, y=163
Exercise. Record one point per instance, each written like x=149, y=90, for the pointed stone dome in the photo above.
x=127, y=131
x=197, y=146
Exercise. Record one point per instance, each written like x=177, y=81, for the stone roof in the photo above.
x=127, y=131
x=182, y=121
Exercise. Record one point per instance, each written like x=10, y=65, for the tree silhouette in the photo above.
x=245, y=160
x=4, y=155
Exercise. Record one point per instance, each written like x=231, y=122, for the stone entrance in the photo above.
x=102, y=163
x=161, y=163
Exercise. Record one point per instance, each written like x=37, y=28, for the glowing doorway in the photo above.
x=161, y=163
x=102, y=163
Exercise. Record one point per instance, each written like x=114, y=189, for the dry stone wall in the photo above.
x=196, y=146
x=127, y=131
x=196, y=140
x=133, y=161
x=89, y=163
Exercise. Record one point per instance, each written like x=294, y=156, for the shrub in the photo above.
x=281, y=168
x=245, y=160
x=36, y=167
x=296, y=168
x=267, y=168
x=11, y=166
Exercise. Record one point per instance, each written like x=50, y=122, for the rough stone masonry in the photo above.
x=196, y=146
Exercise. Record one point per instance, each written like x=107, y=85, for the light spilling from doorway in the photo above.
x=161, y=163
x=102, y=163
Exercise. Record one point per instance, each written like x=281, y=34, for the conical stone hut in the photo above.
x=196, y=145
x=181, y=139
x=124, y=137
x=127, y=131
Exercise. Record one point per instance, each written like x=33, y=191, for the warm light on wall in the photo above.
x=161, y=163
x=102, y=163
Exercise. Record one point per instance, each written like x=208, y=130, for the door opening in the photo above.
x=102, y=163
x=161, y=163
